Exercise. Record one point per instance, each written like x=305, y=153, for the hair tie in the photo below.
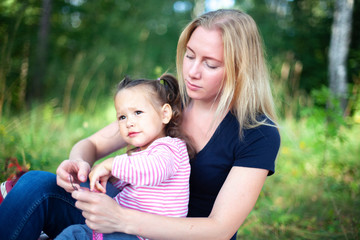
x=161, y=81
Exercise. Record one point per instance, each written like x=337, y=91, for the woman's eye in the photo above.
x=210, y=65
x=189, y=56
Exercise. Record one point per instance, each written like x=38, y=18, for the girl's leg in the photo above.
x=119, y=236
x=83, y=232
x=37, y=203
x=75, y=232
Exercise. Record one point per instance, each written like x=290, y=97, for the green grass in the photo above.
x=42, y=137
x=314, y=193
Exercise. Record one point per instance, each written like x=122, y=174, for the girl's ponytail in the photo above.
x=170, y=85
x=173, y=128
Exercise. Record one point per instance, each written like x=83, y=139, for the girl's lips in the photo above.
x=132, y=134
x=191, y=86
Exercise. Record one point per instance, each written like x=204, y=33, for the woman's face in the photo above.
x=203, y=66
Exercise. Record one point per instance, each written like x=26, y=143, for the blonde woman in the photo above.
x=229, y=116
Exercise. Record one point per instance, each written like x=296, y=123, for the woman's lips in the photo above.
x=191, y=86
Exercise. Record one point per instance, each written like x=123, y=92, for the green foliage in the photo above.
x=43, y=136
x=327, y=115
x=309, y=197
x=298, y=32
x=93, y=44
x=308, y=36
x=354, y=53
x=315, y=192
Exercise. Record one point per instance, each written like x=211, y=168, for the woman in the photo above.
x=228, y=115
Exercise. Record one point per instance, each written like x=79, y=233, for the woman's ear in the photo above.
x=166, y=113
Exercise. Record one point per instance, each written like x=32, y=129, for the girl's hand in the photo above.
x=100, y=175
x=76, y=170
x=99, y=210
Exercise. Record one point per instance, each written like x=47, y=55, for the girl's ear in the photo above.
x=166, y=113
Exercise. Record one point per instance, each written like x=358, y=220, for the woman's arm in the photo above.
x=86, y=152
x=237, y=197
x=103, y=142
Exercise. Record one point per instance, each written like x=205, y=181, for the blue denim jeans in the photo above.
x=83, y=232
x=36, y=203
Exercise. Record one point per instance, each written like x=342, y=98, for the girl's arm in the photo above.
x=86, y=152
x=149, y=167
x=237, y=197
x=100, y=174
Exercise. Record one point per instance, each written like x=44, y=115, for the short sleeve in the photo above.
x=259, y=148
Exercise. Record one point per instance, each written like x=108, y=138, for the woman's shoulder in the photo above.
x=266, y=130
x=263, y=122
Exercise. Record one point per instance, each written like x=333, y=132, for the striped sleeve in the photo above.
x=149, y=167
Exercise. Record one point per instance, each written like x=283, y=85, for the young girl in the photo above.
x=154, y=176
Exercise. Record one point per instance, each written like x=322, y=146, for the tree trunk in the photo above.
x=339, y=48
x=42, y=46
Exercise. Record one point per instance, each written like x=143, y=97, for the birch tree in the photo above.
x=339, y=48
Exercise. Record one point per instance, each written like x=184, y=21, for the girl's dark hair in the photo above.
x=164, y=90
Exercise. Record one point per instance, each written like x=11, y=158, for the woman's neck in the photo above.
x=200, y=122
x=203, y=107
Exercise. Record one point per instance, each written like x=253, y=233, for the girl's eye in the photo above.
x=122, y=117
x=138, y=112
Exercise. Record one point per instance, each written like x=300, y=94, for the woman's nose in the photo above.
x=195, y=70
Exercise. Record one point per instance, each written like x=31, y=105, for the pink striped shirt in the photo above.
x=155, y=180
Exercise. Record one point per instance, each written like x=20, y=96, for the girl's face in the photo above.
x=203, y=66
x=140, y=121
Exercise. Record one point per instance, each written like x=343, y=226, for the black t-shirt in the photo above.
x=257, y=149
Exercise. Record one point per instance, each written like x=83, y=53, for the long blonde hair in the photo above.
x=246, y=84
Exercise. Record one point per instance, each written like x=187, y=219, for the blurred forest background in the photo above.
x=61, y=60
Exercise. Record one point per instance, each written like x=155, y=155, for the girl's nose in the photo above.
x=130, y=123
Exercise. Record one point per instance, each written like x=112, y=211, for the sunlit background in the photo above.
x=61, y=60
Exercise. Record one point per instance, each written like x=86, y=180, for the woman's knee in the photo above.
x=37, y=182
x=37, y=176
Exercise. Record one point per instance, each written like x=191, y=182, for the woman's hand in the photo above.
x=100, y=175
x=77, y=170
x=84, y=154
x=99, y=210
